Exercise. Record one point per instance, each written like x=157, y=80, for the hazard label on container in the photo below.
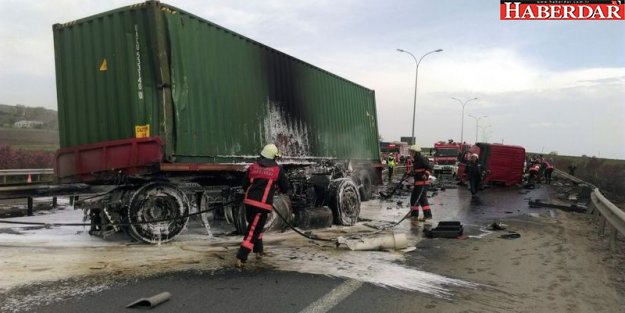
x=142, y=131
x=104, y=66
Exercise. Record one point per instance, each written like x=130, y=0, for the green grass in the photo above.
x=30, y=139
x=607, y=174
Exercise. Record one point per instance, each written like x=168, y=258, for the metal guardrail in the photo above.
x=572, y=178
x=33, y=171
x=609, y=213
x=24, y=172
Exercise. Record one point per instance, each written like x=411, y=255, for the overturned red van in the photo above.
x=503, y=164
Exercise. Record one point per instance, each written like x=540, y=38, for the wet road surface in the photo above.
x=558, y=265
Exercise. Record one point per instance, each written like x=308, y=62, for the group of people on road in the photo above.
x=419, y=167
x=264, y=176
x=538, y=168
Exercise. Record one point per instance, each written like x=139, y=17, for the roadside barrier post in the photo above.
x=613, y=234
x=30, y=206
x=602, y=227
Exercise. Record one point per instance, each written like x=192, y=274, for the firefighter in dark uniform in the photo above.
x=260, y=183
x=474, y=172
x=421, y=170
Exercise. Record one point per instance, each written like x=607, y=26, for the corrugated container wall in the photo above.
x=212, y=95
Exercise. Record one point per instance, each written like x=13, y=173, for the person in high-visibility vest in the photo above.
x=260, y=183
x=391, y=163
x=421, y=170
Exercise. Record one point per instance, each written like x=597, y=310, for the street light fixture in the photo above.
x=414, y=109
x=462, y=124
x=477, y=123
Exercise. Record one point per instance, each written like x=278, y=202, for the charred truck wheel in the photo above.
x=344, y=200
x=160, y=202
x=281, y=203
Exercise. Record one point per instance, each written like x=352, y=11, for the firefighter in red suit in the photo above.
x=421, y=170
x=260, y=183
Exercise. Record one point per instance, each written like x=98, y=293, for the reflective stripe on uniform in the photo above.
x=258, y=204
x=269, y=184
x=247, y=241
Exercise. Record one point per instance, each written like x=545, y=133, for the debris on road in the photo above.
x=392, y=241
x=151, y=302
x=497, y=226
x=537, y=203
x=445, y=229
x=510, y=235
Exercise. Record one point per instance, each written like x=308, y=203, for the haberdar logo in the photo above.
x=562, y=10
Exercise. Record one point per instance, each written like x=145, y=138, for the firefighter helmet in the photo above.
x=415, y=148
x=270, y=151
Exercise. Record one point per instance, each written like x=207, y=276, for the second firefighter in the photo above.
x=421, y=170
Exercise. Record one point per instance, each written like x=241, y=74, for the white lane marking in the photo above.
x=334, y=297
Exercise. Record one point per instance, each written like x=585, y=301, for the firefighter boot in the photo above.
x=427, y=217
x=239, y=263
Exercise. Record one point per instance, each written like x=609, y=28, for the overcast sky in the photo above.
x=545, y=85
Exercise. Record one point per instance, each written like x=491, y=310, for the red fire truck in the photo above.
x=445, y=157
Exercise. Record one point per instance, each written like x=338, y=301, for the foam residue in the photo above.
x=72, y=252
x=286, y=132
x=61, y=290
x=378, y=268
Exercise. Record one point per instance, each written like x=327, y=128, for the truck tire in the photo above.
x=344, y=200
x=154, y=202
x=281, y=203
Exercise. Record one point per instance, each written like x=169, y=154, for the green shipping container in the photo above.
x=210, y=94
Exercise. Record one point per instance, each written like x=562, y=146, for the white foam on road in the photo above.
x=380, y=268
x=54, y=236
x=288, y=252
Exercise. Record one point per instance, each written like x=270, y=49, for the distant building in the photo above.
x=27, y=124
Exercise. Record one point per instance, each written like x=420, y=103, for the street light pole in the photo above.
x=484, y=128
x=462, y=124
x=477, y=123
x=416, y=76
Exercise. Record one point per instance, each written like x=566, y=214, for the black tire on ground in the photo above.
x=153, y=202
x=344, y=200
x=281, y=203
